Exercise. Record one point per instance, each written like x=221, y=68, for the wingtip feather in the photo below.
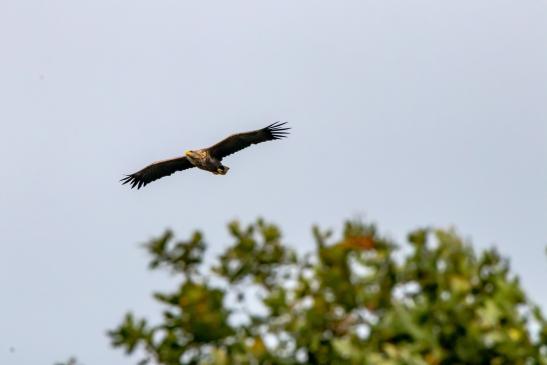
x=277, y=130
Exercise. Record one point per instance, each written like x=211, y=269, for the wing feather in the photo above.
x=239, y=141
x=156, y=171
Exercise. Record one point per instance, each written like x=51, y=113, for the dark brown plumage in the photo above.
x=208, y=159
x=239, y=141
x=157, y=170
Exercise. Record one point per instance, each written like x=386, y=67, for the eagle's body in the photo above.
x=209, y=159
x=202, y=159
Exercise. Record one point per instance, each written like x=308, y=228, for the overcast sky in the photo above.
x=409, y=113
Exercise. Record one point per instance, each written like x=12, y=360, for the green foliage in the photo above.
x=358, y=300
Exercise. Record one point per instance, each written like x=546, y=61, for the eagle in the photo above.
x=209, y=159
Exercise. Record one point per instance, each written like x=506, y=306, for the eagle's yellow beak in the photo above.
x=187, y=153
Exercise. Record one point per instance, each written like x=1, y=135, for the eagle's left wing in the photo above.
x=156, y=171
x=239, y=141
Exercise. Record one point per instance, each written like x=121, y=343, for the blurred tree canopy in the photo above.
x=359, y=299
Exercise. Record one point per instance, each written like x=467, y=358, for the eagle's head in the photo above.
x=195, y=156
x=191, y=155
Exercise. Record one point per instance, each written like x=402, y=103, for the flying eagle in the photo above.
x=208, y=159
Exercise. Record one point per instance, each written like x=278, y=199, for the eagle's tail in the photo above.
x=223, y=170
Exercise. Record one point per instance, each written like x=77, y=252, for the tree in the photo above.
x=358, y=300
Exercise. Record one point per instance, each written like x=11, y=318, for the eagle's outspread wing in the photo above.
x=156, y=171
x=239, y=141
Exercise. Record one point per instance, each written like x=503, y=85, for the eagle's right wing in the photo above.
x=239, y=141
x=156, y=171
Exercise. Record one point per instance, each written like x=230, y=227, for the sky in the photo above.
x=406, y=113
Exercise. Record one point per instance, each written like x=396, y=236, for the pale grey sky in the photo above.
x=410, y=113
